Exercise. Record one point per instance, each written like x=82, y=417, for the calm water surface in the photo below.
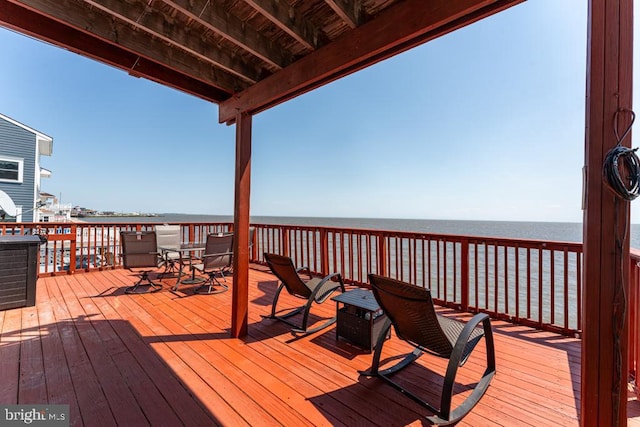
x=557, y=231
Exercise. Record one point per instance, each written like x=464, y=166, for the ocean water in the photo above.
x=556, y=231
x=496, y=267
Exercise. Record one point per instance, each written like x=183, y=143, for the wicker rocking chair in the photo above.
x=312, y=290
x=410, y=310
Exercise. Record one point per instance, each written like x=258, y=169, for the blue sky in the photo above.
x=486, y=123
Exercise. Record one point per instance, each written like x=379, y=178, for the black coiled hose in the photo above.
x=611, y=172
x=630, y=163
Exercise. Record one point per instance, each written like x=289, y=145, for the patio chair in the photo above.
x=314, y=289
x=139, y=252
x=411, y=311
x=216, y=260
x=168, y=238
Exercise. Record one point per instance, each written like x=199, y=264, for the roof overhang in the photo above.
x=246, y=55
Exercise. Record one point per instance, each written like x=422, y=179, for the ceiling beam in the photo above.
x=348, y=10
x=401, y=27
x=106, y=28
x=288, y=20
x=138, y=14
x=27, y=22
x=208, y=14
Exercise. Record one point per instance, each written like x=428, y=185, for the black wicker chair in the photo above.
x=410, y=310
x=314, y=289
x=140, y=254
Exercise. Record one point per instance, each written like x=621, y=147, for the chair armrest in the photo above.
x=463, y=338
x=218, y=254
x=325, y=290
x=303, y=269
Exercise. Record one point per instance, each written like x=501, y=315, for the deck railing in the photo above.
x=536, y=283
x=634, y=318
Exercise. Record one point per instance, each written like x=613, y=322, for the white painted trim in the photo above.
x=20, y=161
x=19, y=214
x=25, y=127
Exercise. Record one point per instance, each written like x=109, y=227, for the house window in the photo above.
x=11, y=169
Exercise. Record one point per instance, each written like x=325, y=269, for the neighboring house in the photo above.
x=52, y=210
x=20, y=170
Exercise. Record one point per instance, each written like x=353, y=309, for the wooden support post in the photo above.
x=603, y=398
x=240, y=308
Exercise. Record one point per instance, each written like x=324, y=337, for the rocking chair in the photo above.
x=410, y=310
x=313, y=290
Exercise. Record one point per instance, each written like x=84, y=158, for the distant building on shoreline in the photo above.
x=52, y=210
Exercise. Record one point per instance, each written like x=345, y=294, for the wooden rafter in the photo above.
x=26, y=21
x=288, y=20
x=249, y=55
x=102, y=26
x=401, y=27
x=143, y=17
x=216, y=19
x=348, y=10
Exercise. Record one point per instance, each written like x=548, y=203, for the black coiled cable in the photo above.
x=630, y=163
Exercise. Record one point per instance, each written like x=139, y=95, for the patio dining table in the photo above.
x=188, y=252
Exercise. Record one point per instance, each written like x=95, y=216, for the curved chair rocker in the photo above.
x=216, y=260
x=313, y=290
x=139, y=251
x=410, y=309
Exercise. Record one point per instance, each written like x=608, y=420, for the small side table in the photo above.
x=360, y=318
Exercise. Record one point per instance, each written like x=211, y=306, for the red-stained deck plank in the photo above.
x=171, y=352
x=32, y=386
x=59, y=383
x=92, y=403
x=10, y=356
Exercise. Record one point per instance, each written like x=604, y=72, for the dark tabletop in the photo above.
x=361, y=298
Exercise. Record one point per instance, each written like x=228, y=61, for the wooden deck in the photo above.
x=167, y=359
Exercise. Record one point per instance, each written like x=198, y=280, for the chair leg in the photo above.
x=144, y=288
x=443, y=415
x=207, y=287
x=169, y=268
x=274, y=305
x=303, y=330
x=375, y=371
x=296, y=328
x=175, y=288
